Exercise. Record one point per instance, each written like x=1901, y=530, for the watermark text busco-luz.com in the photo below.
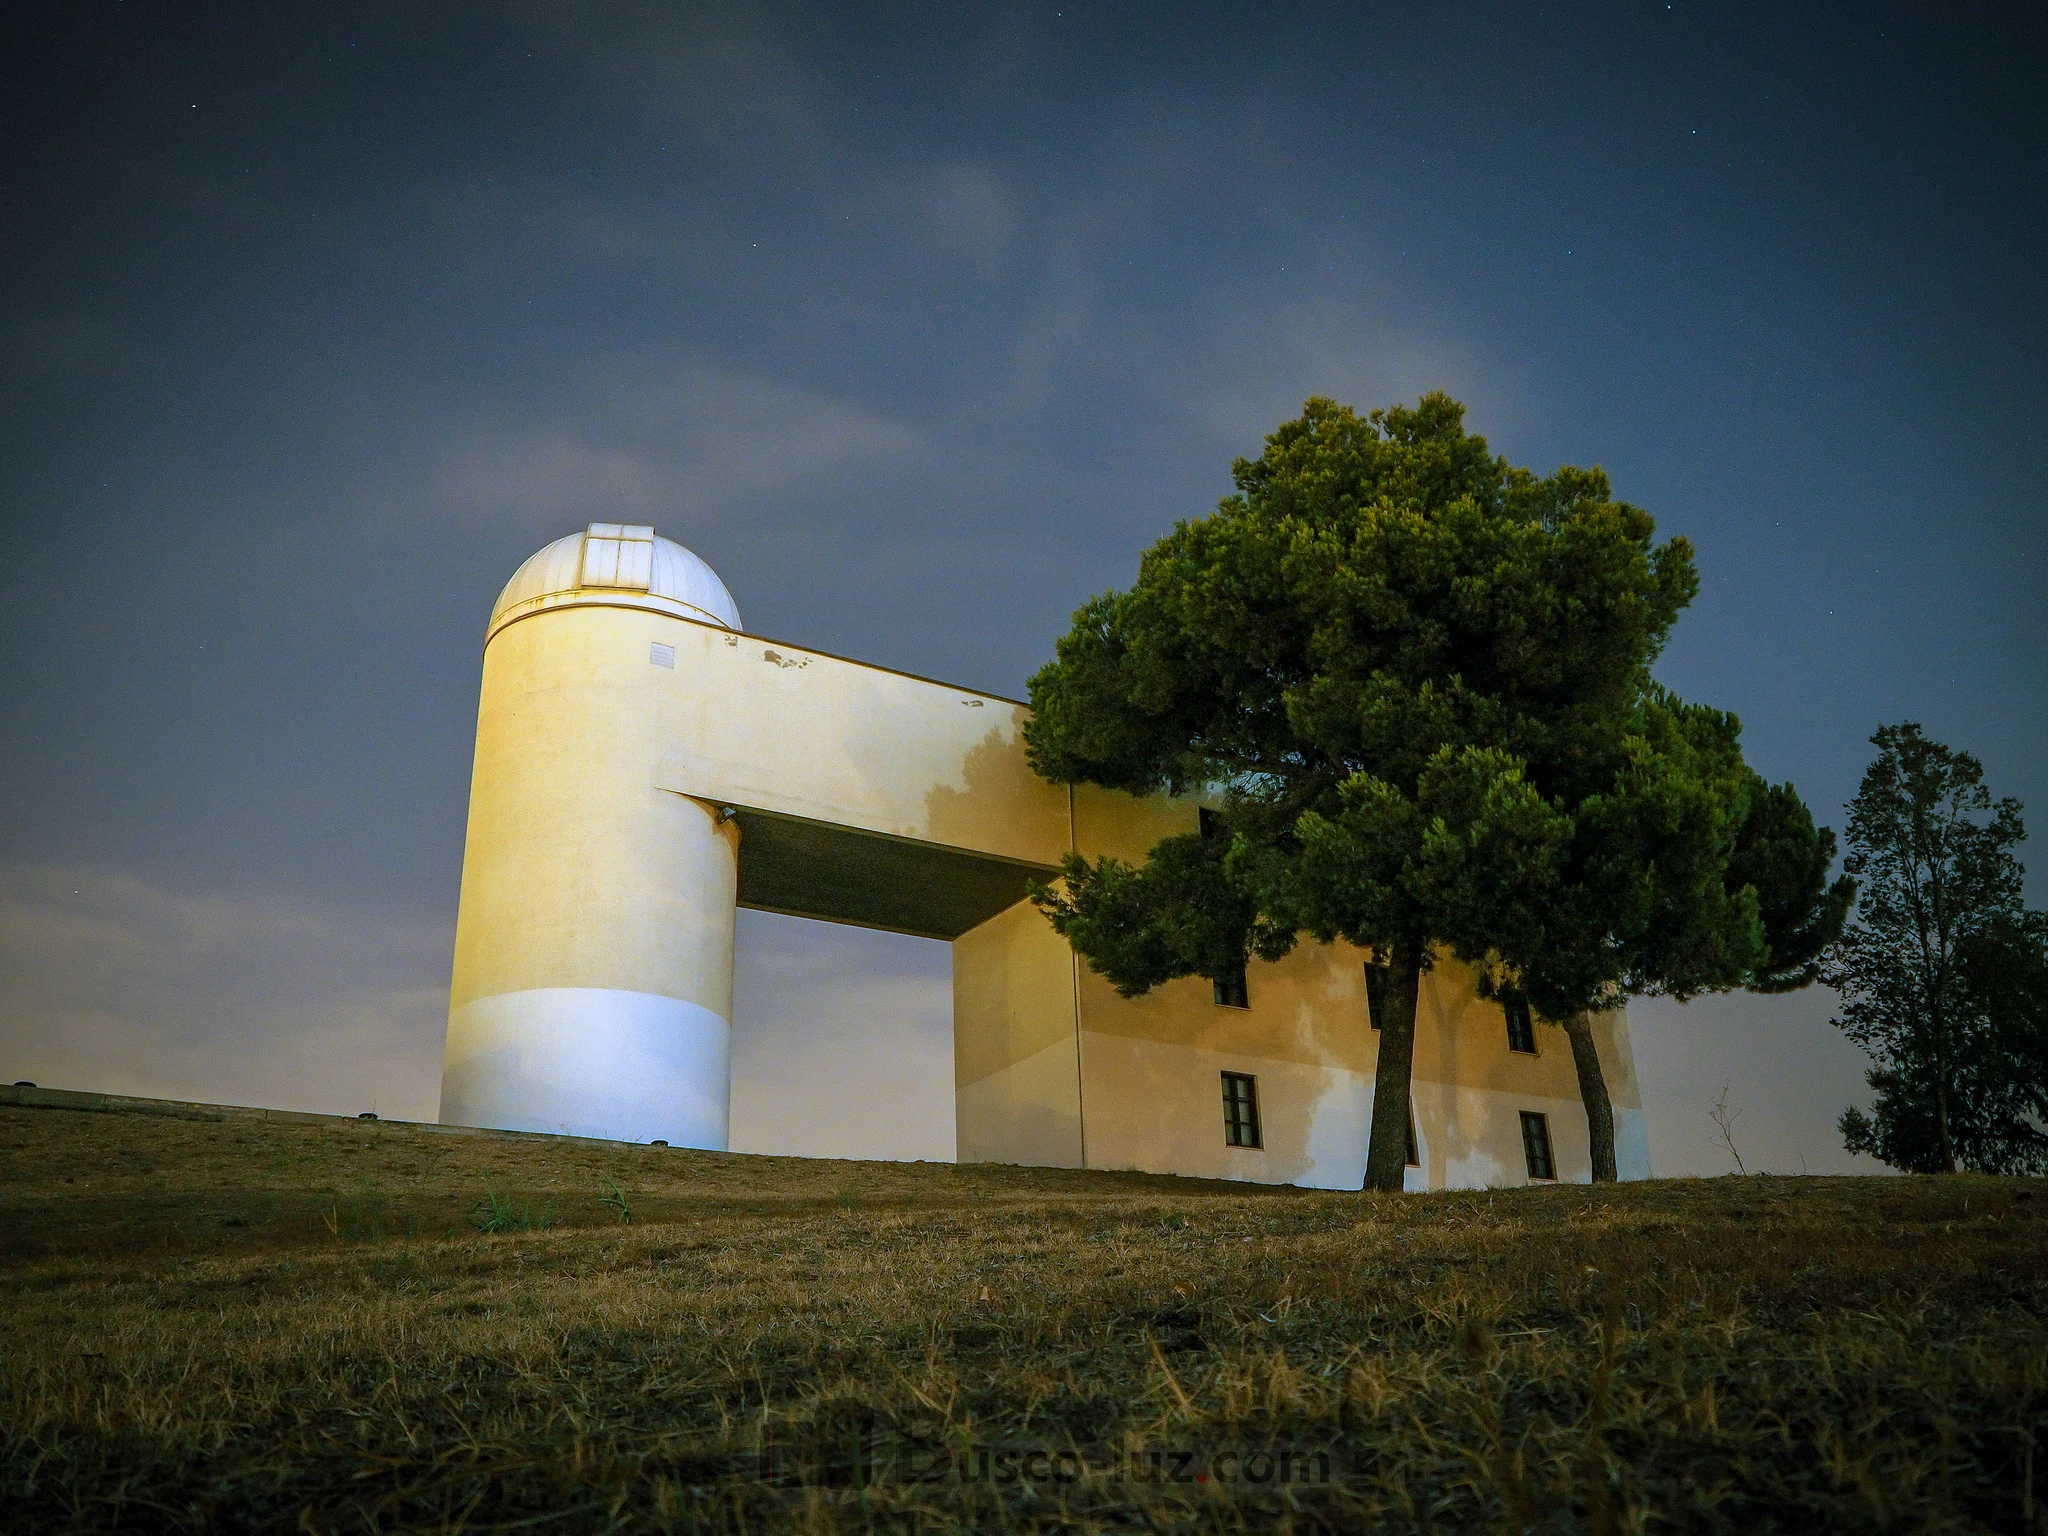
x=855, y=1459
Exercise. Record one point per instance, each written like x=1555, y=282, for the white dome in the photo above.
x=623, y=565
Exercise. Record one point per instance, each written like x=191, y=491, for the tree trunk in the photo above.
x=1948, y=1141
x=1386, y=1158
x=1593, y=1089
x=1941, y=1125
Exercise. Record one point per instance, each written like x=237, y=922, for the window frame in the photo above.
x=1517, y=1008
x=1539, y=1143
x=1241, y=1112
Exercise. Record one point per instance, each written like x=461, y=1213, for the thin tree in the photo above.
x=1939, y=973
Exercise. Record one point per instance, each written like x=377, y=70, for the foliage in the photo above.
x=2007, y=966
x=615, y=1198
x=1177, y=914
x=2000, y=1079
x=497, y=1214
x=1785, y=859
x=1417, y=680
x=1698, y=1355
x=1676, y=870
x=1941, y=971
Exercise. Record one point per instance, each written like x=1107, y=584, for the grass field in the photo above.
x=240, y=1325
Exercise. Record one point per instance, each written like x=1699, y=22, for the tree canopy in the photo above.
x=1415, y=682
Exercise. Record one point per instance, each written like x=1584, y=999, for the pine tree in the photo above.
x=1415, y=682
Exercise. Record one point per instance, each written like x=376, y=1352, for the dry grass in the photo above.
x=241, y=1325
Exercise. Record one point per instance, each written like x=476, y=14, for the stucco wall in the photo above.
x=599, y=883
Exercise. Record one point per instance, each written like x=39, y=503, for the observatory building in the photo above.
x=644, y=767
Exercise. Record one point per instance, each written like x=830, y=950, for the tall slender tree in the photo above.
x=1940, y=971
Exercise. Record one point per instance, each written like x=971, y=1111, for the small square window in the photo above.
x=1377, y=975
x=1233, y=993
x=1240, y=1110
x=661, y=655
x=1536, y=1145
x=1521, y=1025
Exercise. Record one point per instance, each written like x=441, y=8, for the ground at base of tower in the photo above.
x=259, y=1325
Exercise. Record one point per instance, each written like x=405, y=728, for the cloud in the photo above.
x=965, y=209
x=109, y=983
x=645, y=441
x=1361, y=350
x=721, y=73
x=548, y=473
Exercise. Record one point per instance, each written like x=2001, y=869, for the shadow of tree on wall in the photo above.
x=1000, y=801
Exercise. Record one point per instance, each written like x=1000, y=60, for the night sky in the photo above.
x=919, y=326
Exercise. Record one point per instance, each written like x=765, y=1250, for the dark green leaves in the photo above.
x=1785, y=859
x=1366, y=564
x=1418, y=679
x=1182, y=913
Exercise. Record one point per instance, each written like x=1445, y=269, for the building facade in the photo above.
x=644, y=767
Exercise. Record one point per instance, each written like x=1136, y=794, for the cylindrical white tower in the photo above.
x=592, y=991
